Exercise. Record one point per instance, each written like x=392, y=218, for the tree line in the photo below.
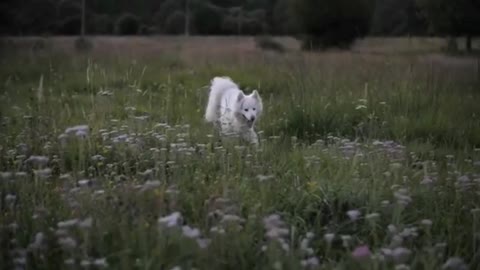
x=319, y=23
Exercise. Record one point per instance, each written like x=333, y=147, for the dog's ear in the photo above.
x=240, y=96
x=256, y=95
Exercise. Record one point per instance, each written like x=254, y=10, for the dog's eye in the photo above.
x=254, y=109
x=246, y=110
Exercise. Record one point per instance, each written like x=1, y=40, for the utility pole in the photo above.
x=187, y=18
x=82, y=30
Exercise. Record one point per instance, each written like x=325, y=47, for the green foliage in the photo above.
x=127, y=24
x=453, y=18
x=332, y=23
x=389, y=137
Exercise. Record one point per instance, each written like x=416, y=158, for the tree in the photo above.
x=332, y=23
x=127, y=24
x=453, y=18
x=397, y=17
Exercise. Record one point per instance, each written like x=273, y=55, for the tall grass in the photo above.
x=366, y=162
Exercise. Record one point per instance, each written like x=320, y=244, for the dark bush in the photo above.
x=127, y=24
x=332, y=23
x=69, y=26
x=268, y=43
x=82, y=44
x=175, y=23
x=101, y=24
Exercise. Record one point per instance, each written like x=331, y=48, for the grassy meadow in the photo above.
x=369, y=159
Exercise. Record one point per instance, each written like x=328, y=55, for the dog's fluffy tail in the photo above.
x=218, y=86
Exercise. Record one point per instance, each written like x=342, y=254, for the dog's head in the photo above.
x=249, y=107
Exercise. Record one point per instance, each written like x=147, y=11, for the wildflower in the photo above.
x=402, y=197
x=401, y=254
x=395, y=166
x=190, y=232
x=277, y=265
x=38, y=241
x=232, y=218
x=20, y=261
x=97, y=158
x=37, y=160
x=263, y=178
x=86, y=223
x=277, y=232
x=426, y=222
x=43, y=173
x=203, y=242
x=67, y=243
x=329, y=237
x=402, y=267
x=310, y=262
x=385, y=203
x=69, y=261
x=150, y=184
x=361, y=252
x=427, y=180
x=84, y=182
x=10, y=198
x=346, y=240
x=391, y=228
x=218, y=230
x=67, y=223
x=454, y=263
x=85, y=263
x=353, y=214
x=372, y=216
x=171, y=220
x=79, y=131
x=100, y=262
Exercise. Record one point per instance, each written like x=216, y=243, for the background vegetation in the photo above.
x=319, y=23
x=369, y=159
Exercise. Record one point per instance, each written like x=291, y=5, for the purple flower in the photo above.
x=361, y=252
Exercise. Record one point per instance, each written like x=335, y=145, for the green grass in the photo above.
x=393, y=135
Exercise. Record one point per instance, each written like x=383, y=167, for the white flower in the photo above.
x=67, y=243
x=190, y=232
x=426, y=222
x=86, y=223
x=100, y=262
x=203, y=242
x=310, y=262
x=171, y=220
x=454, y=263
x=329, y=237
x=79, y=131
x=67, y=223
x=353, y=214
x=37, y=160
x=372, y=216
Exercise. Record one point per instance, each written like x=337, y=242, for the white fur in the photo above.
x=235, y=112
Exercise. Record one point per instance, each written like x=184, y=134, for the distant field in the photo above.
x=369, y=158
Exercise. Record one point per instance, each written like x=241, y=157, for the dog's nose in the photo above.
x=252, y=118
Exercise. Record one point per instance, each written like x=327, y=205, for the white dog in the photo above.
x=235, y=112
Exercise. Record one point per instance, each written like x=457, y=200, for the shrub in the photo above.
x=268, y=43
x=175, y=23
x=332, y=23
x=127, y=24
x=82, y=44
